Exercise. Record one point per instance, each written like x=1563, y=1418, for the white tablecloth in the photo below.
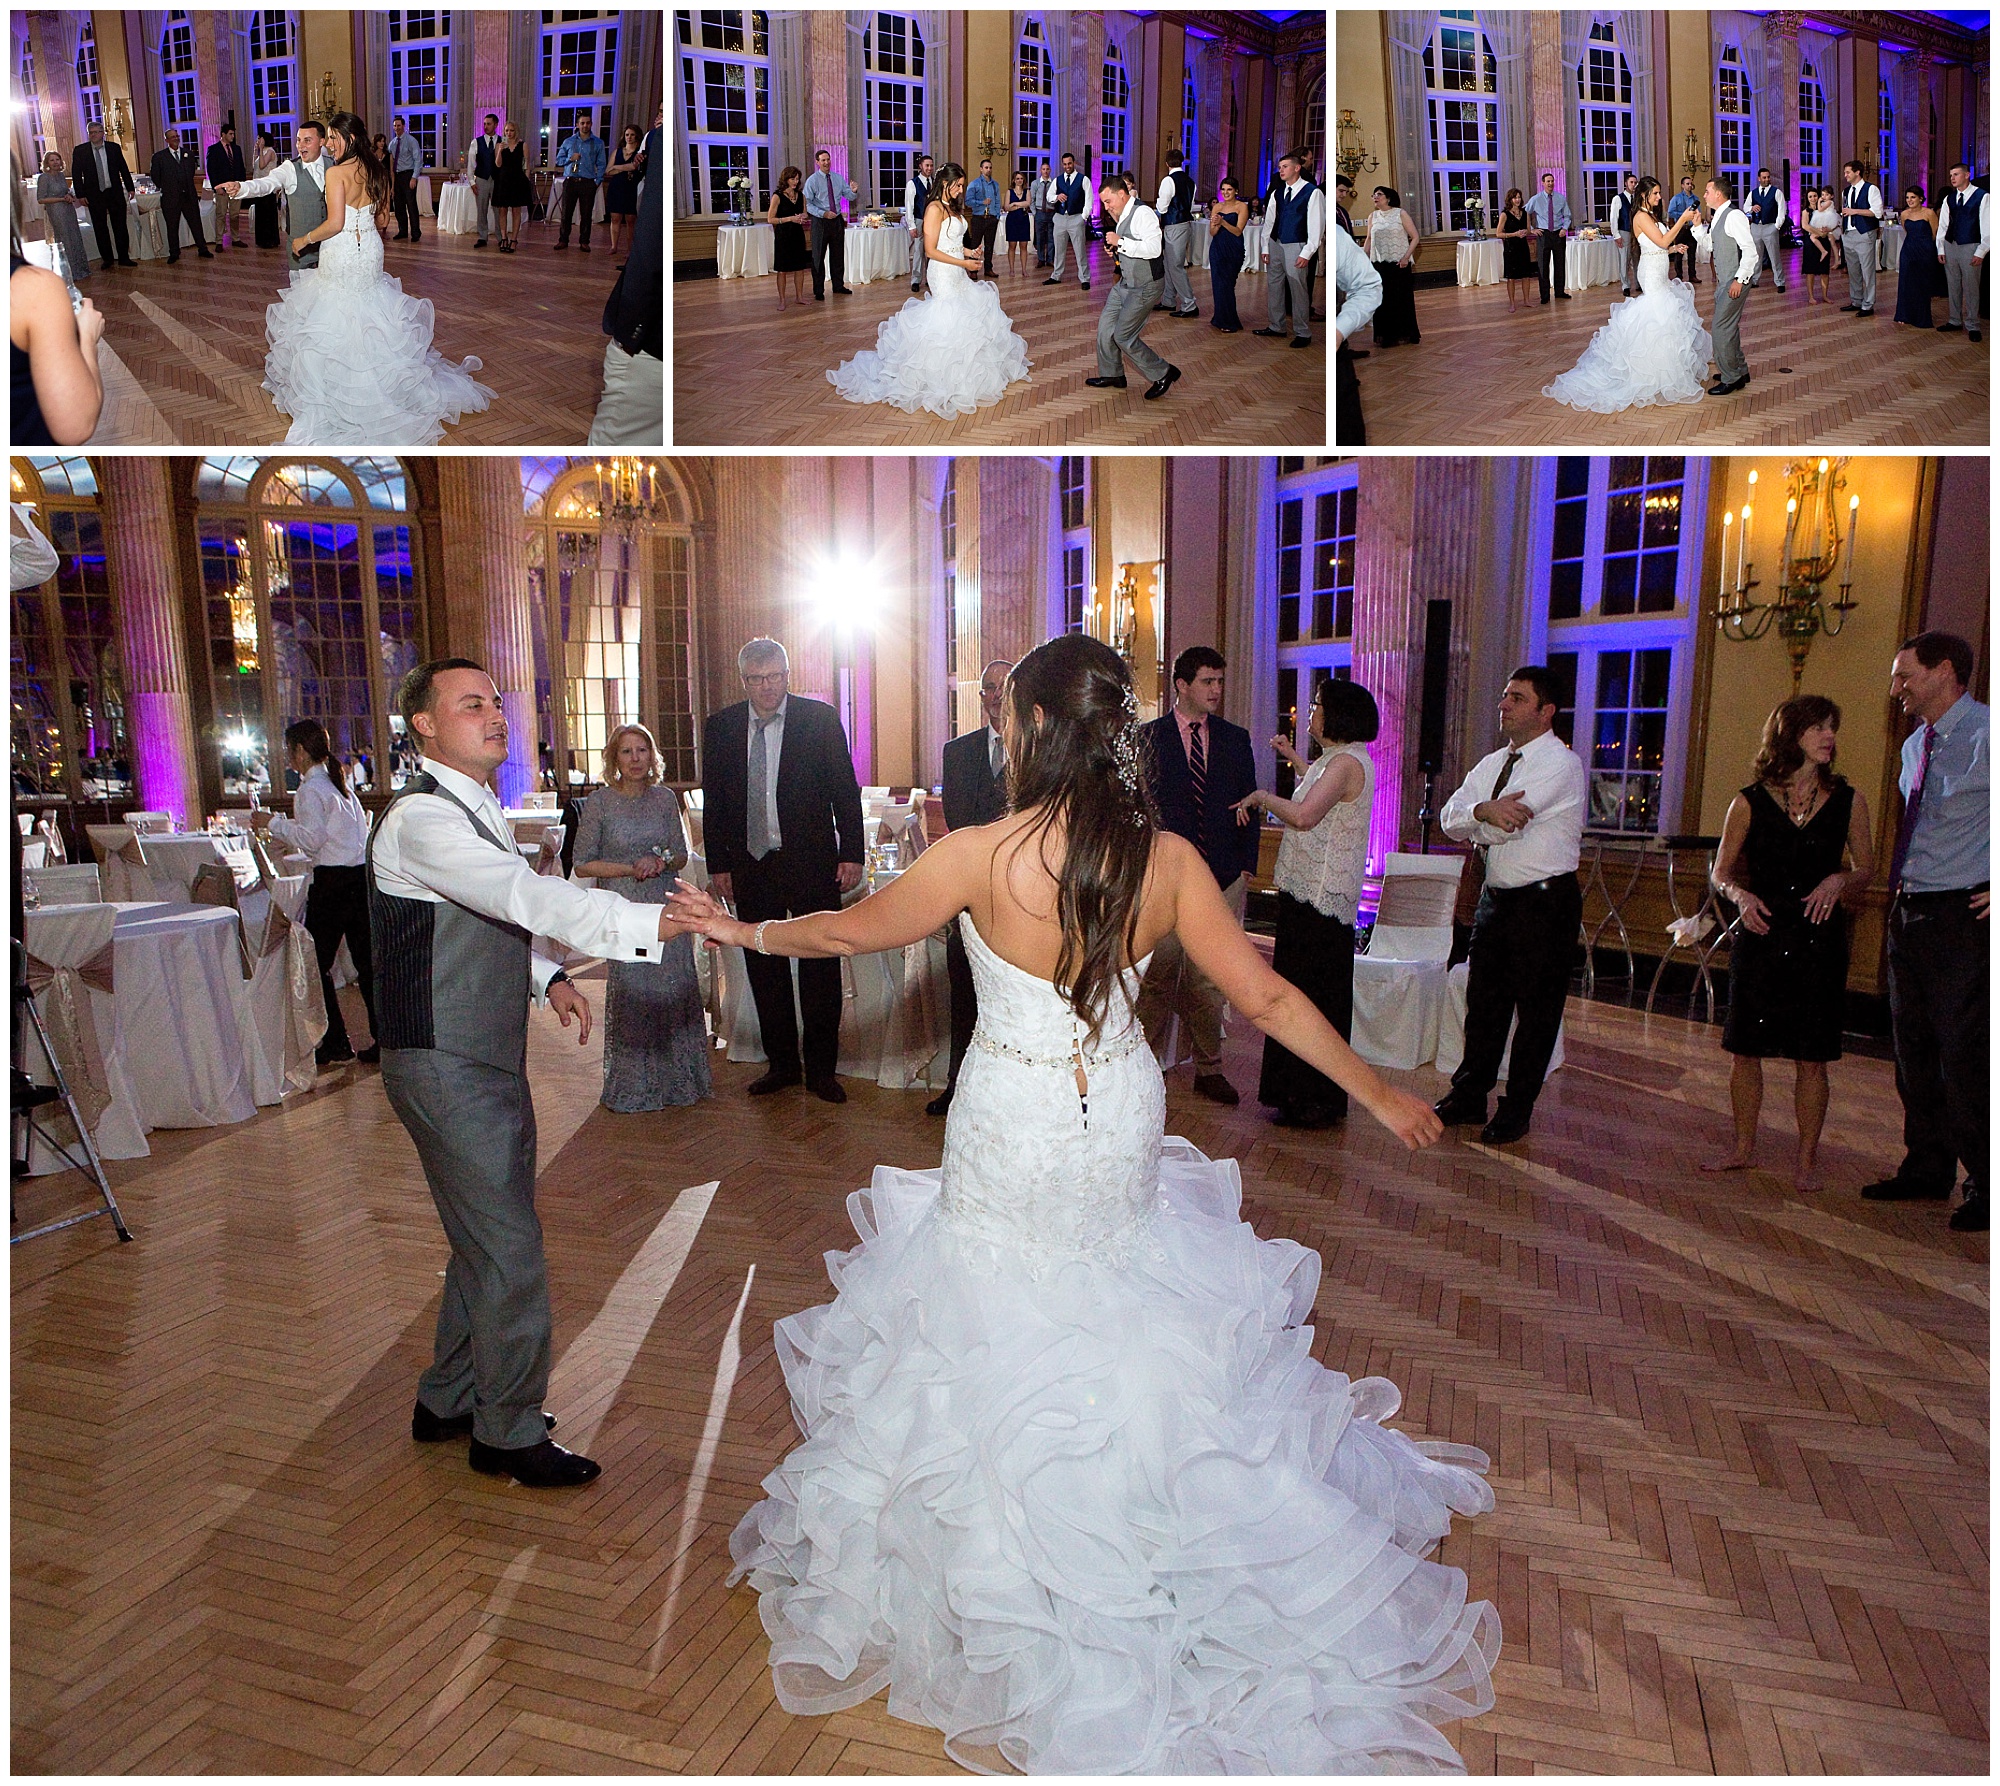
x=1253, y=245
x=1585, y=262
x=458, y=209
x=1889, y=246
x=871, y=254
x=744, y=252
x=1481, y=262
x=65, y=939
x=1451, y=1029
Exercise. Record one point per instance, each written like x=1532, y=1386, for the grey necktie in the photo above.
x=756, y=818
x=1506, y=775
x=995, y=755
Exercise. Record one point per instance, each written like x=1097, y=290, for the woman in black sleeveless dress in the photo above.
x=1786, y=843
x=791, y=254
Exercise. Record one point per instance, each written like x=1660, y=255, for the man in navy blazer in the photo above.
x=1199, y=766
x=783, y=846
x=975, y=793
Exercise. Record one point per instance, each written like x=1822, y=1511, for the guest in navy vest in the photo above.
x=1176, y=208
x=1764, y=205
x=1072, y=221
x=1861, y=204
x=1198, y=767
x=1294, y=224
x=917, y=194
x=483, y=162
x=1962, y=244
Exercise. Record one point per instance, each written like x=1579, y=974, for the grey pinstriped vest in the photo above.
x=306, y=210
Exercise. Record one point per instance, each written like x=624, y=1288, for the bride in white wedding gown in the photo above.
x=1653, y=348
x=350, y=359
x=951, y=353
x=1073, y=1489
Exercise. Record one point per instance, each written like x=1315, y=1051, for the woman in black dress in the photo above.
x=1917, y=264
x=621, y=185
x=265, y=209
x=791, y=254
x=1226, y=218
x=1516, y=263
x=513, y=191
x=1784, y=841
x=1392, y=245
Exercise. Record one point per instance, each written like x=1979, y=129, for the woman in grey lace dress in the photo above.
x=630, y=840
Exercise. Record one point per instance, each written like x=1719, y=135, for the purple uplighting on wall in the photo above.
x=161, y=773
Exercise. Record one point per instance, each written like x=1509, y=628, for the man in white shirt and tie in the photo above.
x=302, y=179
x=1962, y=244
x=1175, y=205
x=1074, y=200
x=1549, y=212
x=1295, y=225
x=1861, y=237
x=406, y=162
x=918, y=192
x=1622, y=208
x=1764, y=204
x=1524, y=806
x=1042, y=208
x=482, y=162
x=102, y=180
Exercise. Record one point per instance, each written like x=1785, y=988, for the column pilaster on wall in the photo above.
x=1545, y=75
x=487, y=599
x=1786, y=149
x=1014, y=495
x=826, y=60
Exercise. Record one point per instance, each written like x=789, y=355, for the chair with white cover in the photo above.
x=1451, y=1028
x=69, y=883
x=1399, y=984
x=281, y=1013
x=147, y=824
x=121, y=864
x=34, y=853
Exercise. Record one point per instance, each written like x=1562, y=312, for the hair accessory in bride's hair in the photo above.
x=1125, y=750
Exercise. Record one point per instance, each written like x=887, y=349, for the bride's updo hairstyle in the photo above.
x=375, y=180
x=1080, y=767
x=942, y=190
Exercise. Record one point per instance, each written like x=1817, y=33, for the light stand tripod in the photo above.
x=29, y=1101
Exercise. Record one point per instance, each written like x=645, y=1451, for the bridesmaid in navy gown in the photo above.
x=1917, y=265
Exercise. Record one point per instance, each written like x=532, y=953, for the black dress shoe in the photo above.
x=1305, y=341
x=1083, y=285
x=546, y=1465
x=1565, y=295
x=939, y=1105
x=764, y=1087
x=844, y=291
x=481, y=243
x=1898, y=1189
x=1052, y=282
x=1948, y=328
x=1506, y=1127
x=341, y=1059
x=1452, y=1110
x=1970, y=1216
x=1357, y=354
x=1309, y=1118
x=206, y=255
x=1267, y=333
x=1105, y=384
x=828, y=1090
x=1972, y=334
x=433, y=1429
x=1159, y=386
x=819, y=297
x=1850, y=307
x=371, y=1056
x=123, y=262
x=1860, y=313
x=1185, y=315
x=1215, y=1088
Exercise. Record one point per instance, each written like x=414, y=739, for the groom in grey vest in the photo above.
x=1734, y=251
x=302, y=180
x=453, y=911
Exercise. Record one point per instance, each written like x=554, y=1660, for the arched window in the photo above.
x=1073, y=496
x=1604, y=119
x=274, y=80
x=88, y=90
x=32, y=104
x=1461, y=81
x=1885, y=127
x=1314, y=536
x=1812, y=127
x=1735, y=135
x=1034, y=94
x=180, y=103
x=1115, y=137
x=892, y=60
x=312, y=611
x=726, y=101
x=613, y=620
x=66, y=692
x=1190, y=117
x=1316, y=121
x=579, y=76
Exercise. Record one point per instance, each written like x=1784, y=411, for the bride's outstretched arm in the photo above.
x=925, y=897
x=1215, y=943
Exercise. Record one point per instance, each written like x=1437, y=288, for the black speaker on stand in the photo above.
x=1430, y=719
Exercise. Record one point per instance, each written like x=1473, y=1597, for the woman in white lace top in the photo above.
x=1321, y=859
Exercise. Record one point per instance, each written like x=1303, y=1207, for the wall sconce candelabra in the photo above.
x=992, y=140
x=1352, y=154
x=118, y=120
x=1814, y=547
x=1694, y=158
x=326, y=97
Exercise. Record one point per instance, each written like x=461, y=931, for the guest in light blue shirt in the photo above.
x=1940, y=930
x=1548, y=216
x=406, y=162
x=982, y=207
x=824, y=197
x=1681, y=254
x=580, y=161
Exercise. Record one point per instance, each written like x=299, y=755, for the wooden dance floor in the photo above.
x=1739, y=1435
x=745, y=376
x=188, y=340
x=1818, y=377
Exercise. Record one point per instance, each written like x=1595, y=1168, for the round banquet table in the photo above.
x=1481, y=262
x=458, y=209
x=1586, y=261
x=745, y=251
x=144, y=229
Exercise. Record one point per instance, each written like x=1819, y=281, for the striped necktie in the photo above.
x=1911, y=807
x=756, y=814
x=1198, y=765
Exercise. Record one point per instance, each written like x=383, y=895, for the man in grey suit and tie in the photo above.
x=975, y=793
x=1733, y=247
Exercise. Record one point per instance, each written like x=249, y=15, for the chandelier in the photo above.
x=1352, y=154
x=627, y=496
x=1814, y=547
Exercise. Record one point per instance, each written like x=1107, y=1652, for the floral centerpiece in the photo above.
x=1475, y=216
x=739, y=187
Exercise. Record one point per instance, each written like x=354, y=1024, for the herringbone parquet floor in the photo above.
x=1739, y=1436
x=186, y=363
x=745, y=376
x=1818, y=378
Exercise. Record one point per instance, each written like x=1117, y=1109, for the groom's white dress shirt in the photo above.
x=282, y=178
x=1358, y=283
x=1139, y=236
x=1735, y=224
x=1315, y=217
x=1870, y=201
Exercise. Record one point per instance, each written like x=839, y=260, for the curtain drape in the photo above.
x=1409, y=32
x=1576, y=36
x=1507, y=35
x=1635, y=38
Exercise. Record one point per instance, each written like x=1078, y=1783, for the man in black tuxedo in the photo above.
x=98, y=172
x=176, y=172
x=975, y=793
x=225, y=162
x=781, y=820
x=1198, y=766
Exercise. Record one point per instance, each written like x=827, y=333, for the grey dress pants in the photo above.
x=1861, y=245
x=1126, y=312
x=1961, y=282
x=1073, y=237
x=1180, y=289
x=1283, y=278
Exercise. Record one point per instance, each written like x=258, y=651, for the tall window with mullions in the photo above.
x=420, y=81
x=892, y=62
x=180, y=104
x=1034, y=94
x=1115, y=136
x=1885, y=129
x=1735, y=144
x=273, y=80
x=579, y=77
x=1604, y=118
x=1812, y=127
x=726, y=106
x=1316, y=518
x=1463, y=108
x=89, y=93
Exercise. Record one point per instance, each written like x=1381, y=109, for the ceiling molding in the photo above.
x=1250, y=31
x=1906, y=30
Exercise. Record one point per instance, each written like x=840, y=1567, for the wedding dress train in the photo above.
x=351, y=360
x=951, y=353
x=1072, y=1487
x=1652, y=349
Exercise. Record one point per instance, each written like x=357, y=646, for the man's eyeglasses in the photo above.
x=766, y=679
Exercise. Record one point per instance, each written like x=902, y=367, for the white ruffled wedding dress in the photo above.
x=350, y=358
x=1073, y=1489
x=951, y=353
x=1653, y=348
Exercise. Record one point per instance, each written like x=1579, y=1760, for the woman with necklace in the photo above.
x=1785, y=841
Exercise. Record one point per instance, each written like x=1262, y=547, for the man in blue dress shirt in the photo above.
x=580, y=161
x=1548, y=211
x=1938, y=933
x=406, y=162
x=1681, y=254
x=824, y=196
x=982, y=205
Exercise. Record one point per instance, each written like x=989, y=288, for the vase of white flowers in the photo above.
x=1475, y=216
x=739, y=187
